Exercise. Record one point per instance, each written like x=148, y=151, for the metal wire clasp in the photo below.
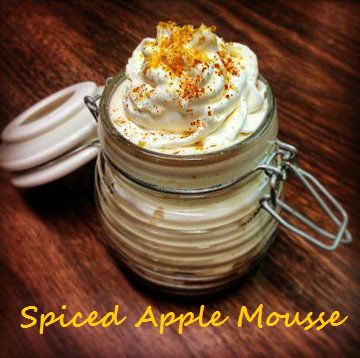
x=285, y=163
x=92, y=106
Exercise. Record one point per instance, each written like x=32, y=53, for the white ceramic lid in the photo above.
x=41, y=144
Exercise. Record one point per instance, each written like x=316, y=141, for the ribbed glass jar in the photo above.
x=186, y=224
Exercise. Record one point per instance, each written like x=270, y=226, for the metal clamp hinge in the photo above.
x=91, y=104
x=285, y=159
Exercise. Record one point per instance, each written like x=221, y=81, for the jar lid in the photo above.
x=37, y=143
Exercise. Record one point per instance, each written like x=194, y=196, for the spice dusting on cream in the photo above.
x=189, y=92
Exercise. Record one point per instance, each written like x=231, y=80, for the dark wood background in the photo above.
x=51, y=252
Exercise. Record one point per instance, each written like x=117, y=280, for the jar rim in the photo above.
x=114, y=82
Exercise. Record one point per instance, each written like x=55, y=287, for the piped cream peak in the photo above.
x=188, y=87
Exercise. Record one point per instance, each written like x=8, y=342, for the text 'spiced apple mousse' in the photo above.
x=189, y=92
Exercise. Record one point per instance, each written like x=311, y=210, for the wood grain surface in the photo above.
x=51, y=250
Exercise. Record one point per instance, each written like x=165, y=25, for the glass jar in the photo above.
x=191, y=224
x=187, y=224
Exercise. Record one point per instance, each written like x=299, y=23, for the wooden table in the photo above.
x=51, y=252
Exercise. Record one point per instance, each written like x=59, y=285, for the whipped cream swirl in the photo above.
x=187, y=91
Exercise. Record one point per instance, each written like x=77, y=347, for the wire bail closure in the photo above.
x=92, y=106
x=286, y=156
